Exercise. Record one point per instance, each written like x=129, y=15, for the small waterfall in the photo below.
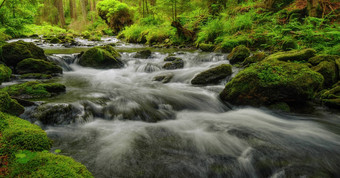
x=149, y=68
x=63, y=60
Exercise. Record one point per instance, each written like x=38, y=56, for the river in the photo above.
x=128, y=125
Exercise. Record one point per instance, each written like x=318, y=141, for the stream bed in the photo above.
x=125, y=124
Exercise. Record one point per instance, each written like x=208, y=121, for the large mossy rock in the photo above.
x=238, y=54
x=101, y=57
x=207, y=47
x=5, y=73
x=293, y=55
x=9, y=105
x=212, y=76
x=22, y=134
x=13, y=53
x=269, y=82
x=329, y=71
x=37, y=66
x=320, y=58
x=34, y=90
x=257, y=57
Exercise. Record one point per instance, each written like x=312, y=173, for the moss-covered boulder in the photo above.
x=269, y=82
x=320, y=58
x=55, y=40
x=176, y=64
x=43, y=164
x=331, y=97
x=144, y=54
x=5, y=73
x=257, y=57
x=329, y=71
x=9, y=105
x=206, y=47
x=170, y=58
x=337, y=62
x=13, y=53
x=293, y=55
x=22, y=134
x=212, y=76
x=101, y=57
x=31, y=65
x=238, y=54
x=34, y=90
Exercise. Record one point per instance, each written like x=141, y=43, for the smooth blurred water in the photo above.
x=134, y=126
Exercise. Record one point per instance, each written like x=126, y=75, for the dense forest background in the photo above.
x=208, y=24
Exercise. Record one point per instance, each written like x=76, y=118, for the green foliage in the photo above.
x=5, y=73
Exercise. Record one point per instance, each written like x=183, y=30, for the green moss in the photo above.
x=213, y=76
x=35, y=76
x=95, y=38
x=280, y=106
x=207, y=47
x=238, y=54
x=269, y=82
x=329, y=72
x=101, y=57
x=320, y=58
x=34, y=89
x=9, y=105
x=15, y=52
x=5, y=73
x=331, y=97
x=231, y=42
x=21, y=134
x=293, y=55
x=37, y=66
x=49, y=165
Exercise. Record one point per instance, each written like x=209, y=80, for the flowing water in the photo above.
x=125, y=124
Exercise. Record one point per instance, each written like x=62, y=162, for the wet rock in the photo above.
x=206, y=47
x=13, y=53
x=270, y=82
x=280, y=106
x=35, y=76
x=5, y=73
x=212, y=76
x=37, y=66
x=144, y=54
x=34, y=89
x=176, y=64
x=293, y=55
x=101, y=57
x=57, y=114
x=329, y=72
x=171, y=58
x=166, y=78
x=238, y=54
x=9, y=105
x=55, y=40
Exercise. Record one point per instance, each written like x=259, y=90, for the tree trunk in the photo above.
x=83, y=9
x=60, y=7
x=71, y=3
x=312, y=7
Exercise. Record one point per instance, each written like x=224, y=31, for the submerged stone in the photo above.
x=166, y=78
x=144, y=54
x=212, y=76
x=176, y=64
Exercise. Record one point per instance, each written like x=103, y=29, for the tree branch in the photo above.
x=2, y=4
